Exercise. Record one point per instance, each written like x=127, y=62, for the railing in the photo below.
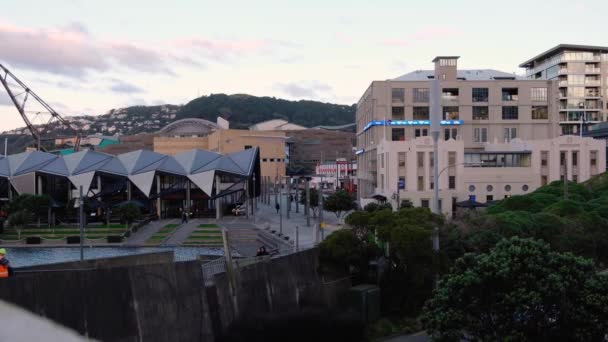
x=592, y=83
x=592, y=70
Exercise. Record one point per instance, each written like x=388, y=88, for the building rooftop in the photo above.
x=468, y=75
x=560, y=48
x=444, y=57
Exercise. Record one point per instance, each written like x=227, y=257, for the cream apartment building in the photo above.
x=496, y=130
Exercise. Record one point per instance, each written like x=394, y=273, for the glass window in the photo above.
x=420, y=159
x=489, y=188
x=447, y=62
x=401, y=156
x=247, y=147
x=398, y=113
x=431, y=160
x=471, y=188
x=421, y=113
x=489, y=198
x=480, y=134
x=398, y=134
x=450, y=133
x=421, y=94
x=451, y=158
x=576, y=79
x=538, y=94
x=543, y=180
x=576, y=92
x=481, y=113
x=525, y=187
x=510, y=94
x=540, y=112
x=452, y=182
x=510, y=133
x=593, y=158
x=398, y=94
x=480, y=94
x=450, y=94
x=574, y=158
x=510, y=113
x=507, y=187
x=544, y=156
x=424, y=203
x=450, y=113
x=421, y=132
x=420, y=183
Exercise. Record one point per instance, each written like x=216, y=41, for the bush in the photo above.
x=33, y=240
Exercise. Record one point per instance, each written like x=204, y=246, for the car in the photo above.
x=240, y=209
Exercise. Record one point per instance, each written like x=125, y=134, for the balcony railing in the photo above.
x=592, y=70
x=592, y=83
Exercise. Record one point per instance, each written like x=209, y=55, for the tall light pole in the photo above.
x=435, y=116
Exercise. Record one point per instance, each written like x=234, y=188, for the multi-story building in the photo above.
x=581, y=73
x=500, y=137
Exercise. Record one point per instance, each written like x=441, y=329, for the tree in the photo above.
x=339, y=202
x=373, y=206
x=18, y=220
x=314, y=200
x=36, y=205
x=129, y=213
x=520, y=290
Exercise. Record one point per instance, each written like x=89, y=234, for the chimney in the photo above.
x=446, y=68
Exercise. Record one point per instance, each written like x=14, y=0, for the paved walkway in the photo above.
x=267, y=215
x=181, y=233
x=145, y=232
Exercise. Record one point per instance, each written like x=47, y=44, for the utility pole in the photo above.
x=255, y=198
x=288, y=196
x=435, y=130
x=307, y=203
x=81, y=223
x=565, y=174
x=296, y=196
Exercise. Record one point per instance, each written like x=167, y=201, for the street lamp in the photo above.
x=581, y=107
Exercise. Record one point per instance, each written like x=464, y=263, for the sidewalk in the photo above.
x=181, y=233
x=145, y=232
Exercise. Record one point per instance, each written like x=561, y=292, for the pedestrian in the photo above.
x=277, y=207
x=261, y=251
x=184, y=217
x=5, y=268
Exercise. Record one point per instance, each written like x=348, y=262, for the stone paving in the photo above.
x=182, y=233
x=145, y=232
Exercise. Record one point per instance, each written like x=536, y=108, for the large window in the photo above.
x=398, y=113
x=576, y=79
x=398, y=94
x=510, y=113
x=510, y=133
x=497, y=159
x=421, y=113
x=450, y=113
x=401, y=157
x=420, y=159
x=398, y=134
x=480, y=94
x=480, y=134
x=450, y=133
x=420, y=183
x=510, y=94
x=452, y=182
x=576, y=92
x=540, y=112
x=447, y=62
x=450, y=94
x=480, y=113
x=421, y=132
x=421, y=94
x=538, y=94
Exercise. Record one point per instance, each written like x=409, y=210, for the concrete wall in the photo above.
x=119, y=261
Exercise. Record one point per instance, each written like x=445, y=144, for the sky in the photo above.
x=89, y=56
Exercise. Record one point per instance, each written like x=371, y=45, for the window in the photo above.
x=424, y=203
x=480, y=135
x=382, y=160
x=540, y=112
x=480, y=113
x=264, y=159
x=593, y=158
x=450, y=113
x=398, y=134
x=574, y=158
x=421, y=113
x=420, y=159
x=420, y=183
x=398, y=94
x=510, y=134
x=543, y=180
x=489, y=188
x=271, y=160
x=247, y=147
x=480, y=94
x=447, y=62
x=401, y=156
x=489, y=198
x=421, y=94
x=431, y=160
x=382, y=181
x=507, y=188
x=452, y=182
x=562, y=158
x=451, y=158
x=538, y=94
x=450, y=133
x=544, y=158
x=471, y=188
x=450, y=94
x=510, y=113
x=510, y=94
x=398, y=113
x=401, y=181
x=524, y=187
x=575, y=178
x=421, y=132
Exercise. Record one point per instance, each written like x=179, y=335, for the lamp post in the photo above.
x=435, y=116
x=581, y=107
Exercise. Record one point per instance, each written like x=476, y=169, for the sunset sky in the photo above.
x=86, y=57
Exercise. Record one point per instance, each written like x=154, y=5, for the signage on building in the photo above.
x=401, y=184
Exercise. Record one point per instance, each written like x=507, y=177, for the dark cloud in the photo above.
x=119, y=86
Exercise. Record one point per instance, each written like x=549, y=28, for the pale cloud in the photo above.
x=119, y=86
x=304, y=89
x=72, y=51
x=344, y=38
x=5, y=100
x=425, y=34
x=230, y=50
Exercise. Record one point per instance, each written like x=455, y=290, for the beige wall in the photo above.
x=175, y=145
x=270, y=143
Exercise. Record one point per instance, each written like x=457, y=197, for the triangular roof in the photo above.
x=244, y=159
x=31, y=161
x=86, y=161
x=5, y=170
x=192, y=161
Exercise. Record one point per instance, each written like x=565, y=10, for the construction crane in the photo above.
x=20, y=94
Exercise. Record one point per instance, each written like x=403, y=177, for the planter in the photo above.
x=33, y=240
x=72, y=239
x=114, y=239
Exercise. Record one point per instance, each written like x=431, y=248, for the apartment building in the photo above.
x=581, y=72
x=500, y=136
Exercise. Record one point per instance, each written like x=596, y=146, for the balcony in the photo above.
x=592, y=83
x=592, y=70
x=563, y=71
x=563, y=83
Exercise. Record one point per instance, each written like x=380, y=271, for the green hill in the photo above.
x=245, y=110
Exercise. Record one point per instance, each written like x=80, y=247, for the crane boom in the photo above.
x=5, y=77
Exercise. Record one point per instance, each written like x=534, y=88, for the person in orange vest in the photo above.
x=4, y=264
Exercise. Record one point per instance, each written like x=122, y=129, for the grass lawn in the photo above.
x=205, y=235
x=162, y=234
x=100, y=232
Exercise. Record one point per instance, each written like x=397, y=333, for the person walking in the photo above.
x=5, y=268
x=277, y=207
x=184, y=217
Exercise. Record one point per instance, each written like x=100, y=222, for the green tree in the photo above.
x=19, y=220
x=520, y=291
x=314, y=200
x=129, y=213
x=339, y=202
